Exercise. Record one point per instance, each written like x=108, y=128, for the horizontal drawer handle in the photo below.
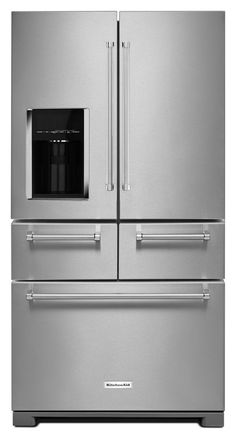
x=33, y=237
x=32, y=296
x=202, y=236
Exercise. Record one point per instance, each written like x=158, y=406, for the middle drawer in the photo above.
x=64, y=251
x=171, y=251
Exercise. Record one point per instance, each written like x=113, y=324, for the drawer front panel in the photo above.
x=43, y=251
x=118, y=346
x=172, y=251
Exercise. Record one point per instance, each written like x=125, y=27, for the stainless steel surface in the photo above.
x=33, y=237
x=172, y=350
x=72, y=333
x=171, y=251
x=202, y=236
x=110, y=185
x=125, y=120
x=32, y=296
x=58, y=251
x=66, y=68
x=176, y=117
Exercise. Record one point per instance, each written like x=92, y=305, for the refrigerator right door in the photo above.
x=172, y=115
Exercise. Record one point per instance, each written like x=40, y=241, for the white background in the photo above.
x=114, y=429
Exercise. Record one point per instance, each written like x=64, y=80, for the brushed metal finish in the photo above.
x=171, y=350
x=33, y=237
x=176, y=115
x=171, y=251
x=32, y=296
x=125, y=108
x=110, y=185
x=57, y=251
x=167, y=338
x=66, y=68
x=202, y=236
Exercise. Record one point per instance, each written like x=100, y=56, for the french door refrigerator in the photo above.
x=118, y=216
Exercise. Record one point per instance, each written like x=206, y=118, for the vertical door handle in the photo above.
x=125, y=122
x=110, y=184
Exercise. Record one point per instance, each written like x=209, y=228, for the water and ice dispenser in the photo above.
x=59, y=152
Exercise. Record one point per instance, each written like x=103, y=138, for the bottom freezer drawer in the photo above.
x=118, y=346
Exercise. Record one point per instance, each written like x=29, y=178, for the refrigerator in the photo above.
x=118, y=216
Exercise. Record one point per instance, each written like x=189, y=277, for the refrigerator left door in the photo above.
x=64, y=75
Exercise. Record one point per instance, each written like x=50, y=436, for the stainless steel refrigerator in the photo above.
x=118, y=216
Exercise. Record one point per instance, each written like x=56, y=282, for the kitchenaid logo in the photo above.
x=118, y=385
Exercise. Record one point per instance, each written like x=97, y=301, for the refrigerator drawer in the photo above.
x=57, y=251
x=118, y=346
x=172, y=251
